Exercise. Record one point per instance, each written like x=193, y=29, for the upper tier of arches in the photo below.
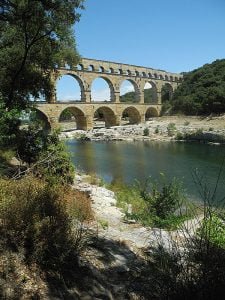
x=87, y=88
x=98, y=66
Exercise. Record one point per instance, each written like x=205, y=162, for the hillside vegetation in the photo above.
x=130, y=96
x=202, y=91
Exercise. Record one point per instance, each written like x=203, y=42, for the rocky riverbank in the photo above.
x=207, y=129
x=116, y=259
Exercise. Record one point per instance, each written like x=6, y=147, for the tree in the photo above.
x=35, y=37
x=202, y=90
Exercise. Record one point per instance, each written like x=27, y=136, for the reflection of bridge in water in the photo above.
x=112, y=111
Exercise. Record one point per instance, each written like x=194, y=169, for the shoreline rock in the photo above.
x=156, y=129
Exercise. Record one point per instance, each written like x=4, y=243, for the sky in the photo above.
x=175, y=35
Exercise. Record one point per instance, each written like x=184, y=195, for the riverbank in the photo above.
x=169, y=128
x=117, y=257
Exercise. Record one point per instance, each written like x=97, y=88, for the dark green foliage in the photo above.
x=128, y=97
x=171, y=129
x=154, y=203
x=166, y=107
x=146, y=131
x=202, y=91
x=148, y=95
x=31, y=142
x=66, y=115
x=9, y=125
x=35, y=36
x=55, y=164
x=131, y=96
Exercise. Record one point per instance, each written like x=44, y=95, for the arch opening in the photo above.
x=72, y=118
x=129, y=92
x=104, y=117
x=166, y=92
x=150, y=92
x=102, y=90
x=69, y=88
x=91, y=68
x=34, y=116
x=151, y=112
x=131, y=115
x=80, y=67
x=101, y=69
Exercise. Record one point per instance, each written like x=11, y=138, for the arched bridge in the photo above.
x=112, y=111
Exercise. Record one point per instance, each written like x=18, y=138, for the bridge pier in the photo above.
x=89, y=122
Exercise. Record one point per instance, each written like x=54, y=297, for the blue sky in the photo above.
x=175, y=35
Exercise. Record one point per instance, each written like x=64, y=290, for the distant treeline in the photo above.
x=201, y=92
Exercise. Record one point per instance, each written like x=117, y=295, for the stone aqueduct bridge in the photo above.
x=114, y=74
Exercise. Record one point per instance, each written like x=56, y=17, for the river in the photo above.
x=126, y=161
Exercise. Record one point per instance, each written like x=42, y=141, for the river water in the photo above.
x=127, y=161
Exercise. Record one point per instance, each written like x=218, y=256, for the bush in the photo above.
x=186, y=123
x=179, y=136
x=55, y=164
x=171, y=128
x=157, y=129
x=154, y=203
x=146, y=132
x=31, y=141
x=43, y=222
x=191, y=266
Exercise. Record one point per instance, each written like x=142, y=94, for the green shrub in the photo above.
x=154, y=203
x=146, y=131
x=157, y=129
x=211, y=128
x=186, y=123
x=171, y=128
x=55, y=164
x=31, y=141
x=179, y=136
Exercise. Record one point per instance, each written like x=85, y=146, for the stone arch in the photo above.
x=144, y=74
x=150, y=92
x=137, y=73
x=132, y=114
x=111, y=70
x=101, y=69
x=171, y=78
x=151, y=112
x=80, y=67
x=91, y=68
x=166, y=77
x=43, y=117
x=135, y=91
x=77, y=116
x=107, y=115
x=166, y=92
x=110, y=86
x=81, y=97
